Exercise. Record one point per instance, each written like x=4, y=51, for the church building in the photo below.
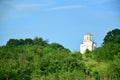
x=87, y=43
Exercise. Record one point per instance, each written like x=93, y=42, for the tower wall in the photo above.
x=87, y=44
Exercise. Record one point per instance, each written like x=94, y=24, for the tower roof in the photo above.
x=88, y=34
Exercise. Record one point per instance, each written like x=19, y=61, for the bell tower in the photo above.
x=87, y=37
x=87, y=43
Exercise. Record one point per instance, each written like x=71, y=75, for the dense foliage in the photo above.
x=112, y=36
x=36, y=59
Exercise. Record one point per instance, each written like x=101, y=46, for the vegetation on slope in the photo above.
x=36, y=59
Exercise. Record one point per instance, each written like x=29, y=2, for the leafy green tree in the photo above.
x=12, y=42
x=115, y=67
x=88, y=53
x=29, y=41
x=106, y=52
x=112, y=37
x=40, y=41
x=77, y=55
x=18, y=42
x=56, y=46
x=21, y=42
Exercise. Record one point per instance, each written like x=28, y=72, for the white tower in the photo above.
x=87, y=43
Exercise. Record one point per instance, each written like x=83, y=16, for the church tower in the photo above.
x=87, y=43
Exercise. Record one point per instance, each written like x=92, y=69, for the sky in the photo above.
x=61, y=21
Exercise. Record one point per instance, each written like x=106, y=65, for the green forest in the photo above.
x=37, y=59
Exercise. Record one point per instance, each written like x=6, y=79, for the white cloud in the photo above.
x=67, y=7
x=28, y=6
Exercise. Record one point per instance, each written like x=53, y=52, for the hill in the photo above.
x=36, y=59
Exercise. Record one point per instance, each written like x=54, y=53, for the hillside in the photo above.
x=36, y=59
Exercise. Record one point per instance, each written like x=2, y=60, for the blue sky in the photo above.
x=61, y=21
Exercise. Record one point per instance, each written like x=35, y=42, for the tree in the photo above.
x=40, y=41
x=112, y=37
x=21, y=42
x=12, y=42
x=29, y=41
x=106, y=52
x=88, y=53
x=77, y=55
x=56, y=46
x=115, y=66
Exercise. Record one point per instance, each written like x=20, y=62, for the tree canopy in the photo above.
x=112, y=37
